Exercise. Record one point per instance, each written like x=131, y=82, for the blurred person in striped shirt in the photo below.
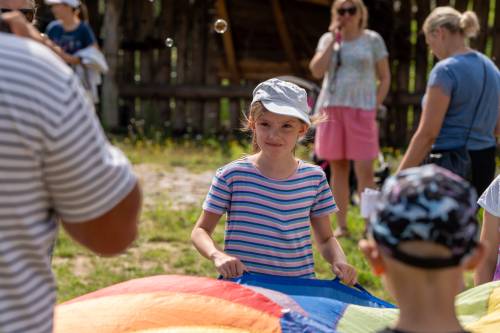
x=56, y=169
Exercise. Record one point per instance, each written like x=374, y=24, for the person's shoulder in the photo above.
x=310, y=169
x=372, y=35
x=234, y=167
x=84, y=26
x=54, y=26
x=33, y=54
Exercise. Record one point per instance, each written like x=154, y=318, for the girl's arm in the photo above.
x=201, y=236
x=491, y=235
x=384, y=78
x=331, y=250
x=435, y=107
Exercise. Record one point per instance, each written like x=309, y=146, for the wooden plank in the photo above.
x=110, y=47
x=421, y=50
x=481, y=8
x=402, y=45
x=197, y=56
x=284, y=34
x=179, y=121
x=227, y=39
x=442, y=3
x=234, y=116
x=162, y=69
x=461, y=5
x=184, y=91
x=326, y=3
x=211, y=113
x=496, y=36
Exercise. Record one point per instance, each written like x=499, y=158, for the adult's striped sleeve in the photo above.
x=85, y=175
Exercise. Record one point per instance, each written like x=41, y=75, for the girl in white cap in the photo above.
x=271, y=198
x=69, y=31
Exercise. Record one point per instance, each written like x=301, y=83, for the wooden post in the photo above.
x=228, y=42
x=286, y=40
x=111, y=45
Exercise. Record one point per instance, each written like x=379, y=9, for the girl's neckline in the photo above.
x=252, y=163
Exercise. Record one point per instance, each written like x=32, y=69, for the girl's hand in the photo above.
x=228, y=266
x=345, y=272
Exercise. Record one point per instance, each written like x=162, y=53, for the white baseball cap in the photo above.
x=282, y=97
x=71, y=3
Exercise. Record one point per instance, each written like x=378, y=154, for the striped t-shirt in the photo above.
x=269, y=221
x=55, y=162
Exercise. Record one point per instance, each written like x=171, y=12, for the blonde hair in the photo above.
x=257, y=109
x=465, y=23
x=359, y=4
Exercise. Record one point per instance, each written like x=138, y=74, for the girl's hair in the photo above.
x=360, y=6
x=257, y=110
x=447, y=17
x=83, y=12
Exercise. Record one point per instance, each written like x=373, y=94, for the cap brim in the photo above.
x=285, y=110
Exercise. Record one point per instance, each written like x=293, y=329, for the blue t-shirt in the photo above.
x=71, y=41
x=462, y=77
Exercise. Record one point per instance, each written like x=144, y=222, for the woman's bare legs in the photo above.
x=364, y=175
x=340, y=188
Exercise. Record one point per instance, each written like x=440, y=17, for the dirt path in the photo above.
x=179, y=187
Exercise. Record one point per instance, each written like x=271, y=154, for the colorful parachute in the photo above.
x=255, y=303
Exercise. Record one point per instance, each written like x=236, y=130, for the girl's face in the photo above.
x=348, y=15
x=277, y=134
x=61, y=10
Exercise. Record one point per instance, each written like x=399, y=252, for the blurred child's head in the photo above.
x=425, y=226
x=278, y=117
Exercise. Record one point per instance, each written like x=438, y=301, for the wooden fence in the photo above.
x=201, y=84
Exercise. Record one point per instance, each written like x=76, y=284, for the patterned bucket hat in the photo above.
x=428, y=204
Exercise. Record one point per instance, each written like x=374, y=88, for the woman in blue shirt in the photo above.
x=454, y=90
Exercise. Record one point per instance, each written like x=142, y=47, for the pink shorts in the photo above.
x=347, y=134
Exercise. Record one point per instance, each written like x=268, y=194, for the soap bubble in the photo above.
x=169, y=42
x=220, y=26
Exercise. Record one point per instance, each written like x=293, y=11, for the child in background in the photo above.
x=68, y=31
x=272, y=199
x=423, y=236
x=489, y=270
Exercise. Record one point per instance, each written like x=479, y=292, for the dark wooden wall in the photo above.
x=202, y=84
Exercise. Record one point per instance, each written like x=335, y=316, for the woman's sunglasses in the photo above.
x=29, y=14
x=349, y=10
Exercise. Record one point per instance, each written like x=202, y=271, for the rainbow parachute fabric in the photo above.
x=253, y=303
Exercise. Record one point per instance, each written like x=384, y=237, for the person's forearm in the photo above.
x=331, y=251
x=383, y=90
x=419, y=147
x=321, y=61
x=204, y=243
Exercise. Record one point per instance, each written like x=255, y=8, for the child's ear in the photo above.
x=303, y=130
x=476, y=257
x=370, y=250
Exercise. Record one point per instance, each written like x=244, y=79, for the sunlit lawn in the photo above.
x=163, y=246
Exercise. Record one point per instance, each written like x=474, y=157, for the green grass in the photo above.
x=163, y=245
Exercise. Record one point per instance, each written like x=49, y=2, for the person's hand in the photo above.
x=20, y=26
x=345, y=272
x=228, y=266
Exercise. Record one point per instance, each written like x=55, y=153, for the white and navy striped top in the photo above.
x=269, y=221
x=55, y=162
